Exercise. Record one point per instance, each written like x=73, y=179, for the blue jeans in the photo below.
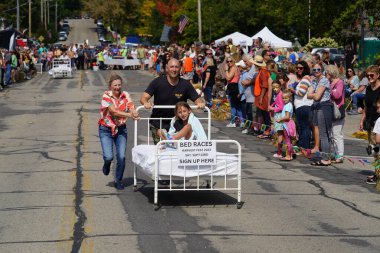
x=356, y=97
x=120, y=141
x=8, y=74
x=208, y=95
x=304, y=131
x=235, y=110
x=249, y=110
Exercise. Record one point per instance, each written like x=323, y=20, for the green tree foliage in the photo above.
x=122, y=16
x=338, y=19
x=321, y=42
x=288, y=18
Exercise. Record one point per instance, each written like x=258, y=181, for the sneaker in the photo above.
x=242, y=124
x=245, y=131
x=253, y=132
x=164, y=182
x=371, y=181
x=106, y=169
x=119, y=185
x=352, y=112
x=277, y=156
x=231, y=125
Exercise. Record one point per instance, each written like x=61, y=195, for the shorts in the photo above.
x=142, y=60
x=188, y=76
x=155, y=136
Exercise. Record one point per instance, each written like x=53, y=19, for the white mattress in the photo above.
x=143, y=156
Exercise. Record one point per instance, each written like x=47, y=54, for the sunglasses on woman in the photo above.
x=370, y=75
x=300, y=68
x=317, y=70
x=229, y=61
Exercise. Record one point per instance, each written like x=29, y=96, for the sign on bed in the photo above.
x=197, y=153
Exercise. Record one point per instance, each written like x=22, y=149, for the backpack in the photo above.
x=80, y=52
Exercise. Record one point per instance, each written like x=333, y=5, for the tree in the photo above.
x=121, y=16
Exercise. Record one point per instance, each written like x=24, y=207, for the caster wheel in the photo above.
x=239, y=205
x=135, y=188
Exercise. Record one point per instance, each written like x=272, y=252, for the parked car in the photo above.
x=62, y=36
x=101, y=38
x=58, y=45
x=66, y=27
x=336, y=54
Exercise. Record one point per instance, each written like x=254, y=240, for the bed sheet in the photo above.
x=144, y=156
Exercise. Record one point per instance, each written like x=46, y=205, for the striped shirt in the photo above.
x=123, y=103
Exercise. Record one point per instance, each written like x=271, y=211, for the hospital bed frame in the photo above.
x=170, y=187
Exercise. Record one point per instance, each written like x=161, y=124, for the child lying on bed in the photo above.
x=184, y=126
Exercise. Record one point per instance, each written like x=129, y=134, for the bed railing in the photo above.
x=147, y=119
x=210, y=181
x=197, y=187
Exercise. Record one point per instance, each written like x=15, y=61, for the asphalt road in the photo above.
x=54, y=197
x=81, y=30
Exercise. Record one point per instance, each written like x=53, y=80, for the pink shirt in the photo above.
x=123, y=103
x=337, y=92
x=236, y=77
x=278, y=104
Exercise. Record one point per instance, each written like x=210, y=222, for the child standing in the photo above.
x=288, y=124
x=276, y=108
x=184, y=126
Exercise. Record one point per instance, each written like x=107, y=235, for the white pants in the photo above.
x=337, y=137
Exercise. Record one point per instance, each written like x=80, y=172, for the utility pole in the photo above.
x=30, y=18
x=56, y=21
x=309, y=17
x=18, y=15
x=45, y=14
x=48, y=11
x=199, y=21
x=362, y=58
x=42, y=12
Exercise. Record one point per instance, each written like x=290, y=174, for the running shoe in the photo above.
x=231, y=125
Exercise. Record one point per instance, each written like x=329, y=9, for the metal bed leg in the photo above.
x=156, y=206
x=239, y=204
x=134, y=178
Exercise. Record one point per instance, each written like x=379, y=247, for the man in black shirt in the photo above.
x=350, y=57
x=168, y=90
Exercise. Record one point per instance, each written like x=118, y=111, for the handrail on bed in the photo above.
x=156, y=176
x=170, y=107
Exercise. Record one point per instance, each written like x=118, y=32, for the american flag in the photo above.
x=183, y=19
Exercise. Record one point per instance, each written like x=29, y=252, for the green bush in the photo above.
x=320, y=42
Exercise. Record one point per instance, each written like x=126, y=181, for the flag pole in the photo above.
x=199, y=21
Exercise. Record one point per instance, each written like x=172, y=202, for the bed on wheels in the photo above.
x=61, y=68
x=186, y=165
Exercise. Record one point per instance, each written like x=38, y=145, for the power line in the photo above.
x=14, y=7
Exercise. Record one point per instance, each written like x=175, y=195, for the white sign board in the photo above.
x=196, y=153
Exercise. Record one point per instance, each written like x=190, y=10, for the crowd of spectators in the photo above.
x=266, y=87
x=291, y=96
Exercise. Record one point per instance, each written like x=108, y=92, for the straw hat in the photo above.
x=259, y=61
x=241, y=64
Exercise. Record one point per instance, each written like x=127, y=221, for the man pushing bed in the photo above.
x=168, y=89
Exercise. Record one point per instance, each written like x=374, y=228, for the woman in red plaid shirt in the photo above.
x=116, y=107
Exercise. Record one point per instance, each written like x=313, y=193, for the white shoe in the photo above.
x=277, y=156
x=231, y=125
x=245, y=131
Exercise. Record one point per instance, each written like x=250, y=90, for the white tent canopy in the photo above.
x=271, y=38
x=237, y=39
